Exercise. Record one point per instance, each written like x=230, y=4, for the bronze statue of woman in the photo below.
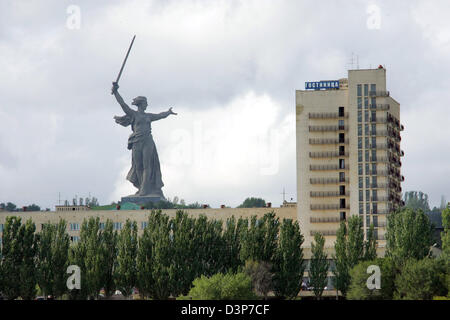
x=145, y=172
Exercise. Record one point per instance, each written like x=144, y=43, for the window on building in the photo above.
x=342, y=190
x=366, y=129
x=374, y=142
x=375, y=208
x=360, y=182
x=367, y=182
x=361, y=207
x=341, y=163
x=102, y=226
x=359, y=116
x=374, y=155
x=374, y=195
x=375, y=220
x=342, y=203
x=374, y=167
x=375, y=234
x=341, y=124
x=342, y=150
x=367, y=195
x=341, y=111
x=366, y=142
x=367, y=169
x=374, y=182
x=341, y=176
x=360, y=158
x=366, y=116
x=367, y=207
x=361, y=195
x=341, y=137
x=360, y=169
x=366, y=154
x=359, y=103
x=366, y=89
x=373, y=87
x=367, y=220
x=374, y=129
x=373, y=102
x=359, y=129
x=366, y=103
x=117, y=225
x=360, y=144
x=358, y=90
x=342, y=216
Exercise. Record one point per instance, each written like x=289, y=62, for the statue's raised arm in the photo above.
x=125, y=107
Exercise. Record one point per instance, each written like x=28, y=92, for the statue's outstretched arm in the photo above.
x=162, y=115
x=120, y=100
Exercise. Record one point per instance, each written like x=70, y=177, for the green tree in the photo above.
x=126, y=271
x=108, y=257
x=421, y=280
x=417, y=200
x=33, y=207
x=10, y=206
x=288, y=265
x=355, y=241
x=341, y=270
x=253, y=203
x=408, y=235
x=370, y=252
x=28, y=265
x=155, y=257
x=261, y=275
x=259, y=240
x=318, y=271
x=11, y=258
x=185, y=259
x=87, y=254
x=52, y=258
x=223, y=287
x=232, y=238
x=445, y=235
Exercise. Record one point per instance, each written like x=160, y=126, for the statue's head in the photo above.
x=140, y=102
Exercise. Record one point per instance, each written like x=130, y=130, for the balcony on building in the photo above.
x=324, y=219
x=328, y=194
x=328, y=115
x=327, y=128
x=328, y=154
x=329, y=207
x=328, y=180
x=328, y=141
x=327, y=167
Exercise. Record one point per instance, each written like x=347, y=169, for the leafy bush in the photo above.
x=222, y=287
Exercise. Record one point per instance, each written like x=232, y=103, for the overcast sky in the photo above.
x=228, y=68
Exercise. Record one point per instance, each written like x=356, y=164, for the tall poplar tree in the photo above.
x=288, y=267
x=318, y=271
x=341, y=270
x=108, y=256
x=11, y=258
x=126, y=271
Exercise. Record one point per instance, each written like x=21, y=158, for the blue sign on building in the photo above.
x=317, y=85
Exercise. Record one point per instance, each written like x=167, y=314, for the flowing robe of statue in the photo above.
x=145, y=172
